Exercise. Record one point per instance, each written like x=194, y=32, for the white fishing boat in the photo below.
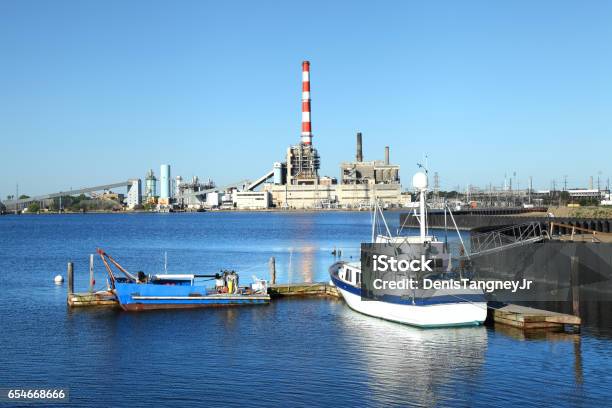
x=442, y=306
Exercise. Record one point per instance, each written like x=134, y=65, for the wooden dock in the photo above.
x=107, y=299
x=303, y=289
x=520, y=317
x=527, y=318
x=95, y=299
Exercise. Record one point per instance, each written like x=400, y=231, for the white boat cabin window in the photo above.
x=347, y=275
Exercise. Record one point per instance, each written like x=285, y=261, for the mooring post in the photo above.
x=272, y=265
x=70, y=278
x=574, y=279
x=91, y=273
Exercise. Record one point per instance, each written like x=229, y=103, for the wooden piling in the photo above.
x=272, y=265
x=574, y=283
x=70, y=274
x=91, y=273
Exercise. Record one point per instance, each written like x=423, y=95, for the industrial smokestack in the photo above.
x=306, y=129
x=359, y=155
x=387, y=155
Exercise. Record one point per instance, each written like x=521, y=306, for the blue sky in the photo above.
x=97, y=92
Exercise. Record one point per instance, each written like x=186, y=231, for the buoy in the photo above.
x=59, y=279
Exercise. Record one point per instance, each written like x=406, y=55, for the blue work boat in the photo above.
x=173, y=291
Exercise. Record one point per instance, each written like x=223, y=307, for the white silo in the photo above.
x=278, y=173
x=178, y=180
x=164, y=183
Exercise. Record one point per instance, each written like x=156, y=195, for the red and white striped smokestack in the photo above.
x=306, y=129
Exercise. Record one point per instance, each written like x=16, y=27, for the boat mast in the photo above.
x=374, y=209
x=423, y=216
x=419, y=182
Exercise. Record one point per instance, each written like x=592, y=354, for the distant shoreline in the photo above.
x=269, y=210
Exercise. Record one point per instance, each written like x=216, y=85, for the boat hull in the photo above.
x=139, y=297
x=427, y=315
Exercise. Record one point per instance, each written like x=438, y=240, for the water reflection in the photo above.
x=410, y=364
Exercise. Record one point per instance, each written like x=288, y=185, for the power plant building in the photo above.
x=252, y=200
x=297, y=184
x=186, y=193
x=369, y=172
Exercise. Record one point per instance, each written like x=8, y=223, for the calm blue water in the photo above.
x=292, y=353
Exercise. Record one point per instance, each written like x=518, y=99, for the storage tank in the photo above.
x=177, y=185
x=164, y=187
x=150, y=185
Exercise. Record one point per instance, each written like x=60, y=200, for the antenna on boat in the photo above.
x=419, y=182
x=165, y=261
x=445, y=229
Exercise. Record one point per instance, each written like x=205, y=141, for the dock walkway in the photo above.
x=526, y=318
x=303, y=289
x=91, y=299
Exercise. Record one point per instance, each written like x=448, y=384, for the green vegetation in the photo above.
x=583, y=212
x=34, y=208
x=592, y=212
x=95, y=205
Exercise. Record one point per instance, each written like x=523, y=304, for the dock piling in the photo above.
x=272, y=265
x=91, y=273
x=574, y=280
x=70, y=274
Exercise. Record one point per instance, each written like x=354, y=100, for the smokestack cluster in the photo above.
x=359, y=154
x=306, y=129
x=387, y=155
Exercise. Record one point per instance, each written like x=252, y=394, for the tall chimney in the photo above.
x=306, y=129
x=359, y=155
x=387, y=155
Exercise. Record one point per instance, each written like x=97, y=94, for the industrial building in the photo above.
x=252, y=200
x=293, y=183
x=369, y=172
x=134, y=193
x=186, y=193
x=586, y=193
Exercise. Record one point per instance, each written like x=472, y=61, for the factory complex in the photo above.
x=294, y=183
